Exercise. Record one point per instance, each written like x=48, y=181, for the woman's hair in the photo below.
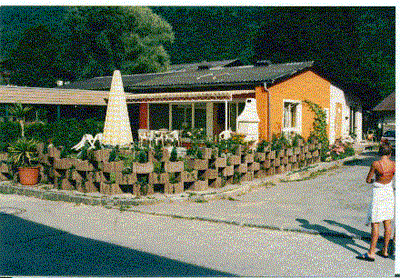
x=385, y=149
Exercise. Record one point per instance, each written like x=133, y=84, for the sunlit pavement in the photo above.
x=321, y=222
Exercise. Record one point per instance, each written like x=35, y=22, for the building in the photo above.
x=387, y=113
x=211, y=95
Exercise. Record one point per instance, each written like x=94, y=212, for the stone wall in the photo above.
x=98, y=174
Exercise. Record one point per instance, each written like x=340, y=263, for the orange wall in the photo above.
x=305, y=86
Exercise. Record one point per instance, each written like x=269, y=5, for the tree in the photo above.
x=126, y=38
x=34, y=62
x=20, y=112
x=355, y=46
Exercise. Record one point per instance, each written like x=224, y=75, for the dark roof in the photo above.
x=104, y=82
x=215, y=76
x=225, y=76
x=388, y=104
x=213, y=64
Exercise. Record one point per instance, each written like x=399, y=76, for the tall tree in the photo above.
x=107, y=38
x=354, y=45
x=34, y=62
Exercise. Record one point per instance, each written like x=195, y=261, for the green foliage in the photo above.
x=143, y=183
x=12, y=26
x=174, y=155
x=142, y=155
x=20, y=112
x=68, y=132
x=105, y=38
x=158, y=167
x=158, y=150
x=23, y=152
x=9, y=132
x=34, y=62
x=297, y=139
x=261, y=147
x=279, y=142
x=319, y=131
x=354, y=45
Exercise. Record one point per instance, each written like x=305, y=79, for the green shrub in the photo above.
x=69, y=132
x=38, y=131
x=9, y=133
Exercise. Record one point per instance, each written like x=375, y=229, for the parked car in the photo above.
x=389, y=137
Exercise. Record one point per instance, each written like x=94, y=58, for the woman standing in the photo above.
x=382, y=206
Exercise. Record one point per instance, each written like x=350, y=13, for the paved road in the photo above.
x=333, y=202
x=40, y=237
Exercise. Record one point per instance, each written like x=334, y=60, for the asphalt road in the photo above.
x=48, y=238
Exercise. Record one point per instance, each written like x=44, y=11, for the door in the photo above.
x=338, y=120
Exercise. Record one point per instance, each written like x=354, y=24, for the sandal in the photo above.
x=365, y=257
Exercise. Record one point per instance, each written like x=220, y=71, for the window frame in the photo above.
x=298, y=120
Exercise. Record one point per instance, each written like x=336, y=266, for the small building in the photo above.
x=387, y=113
x=211, y=95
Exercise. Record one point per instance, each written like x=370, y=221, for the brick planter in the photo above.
x=199, y=185
x=189, y=176
x=211, y=174
x=197, y=164
x=63, y=163
x=271, y=155
x=101, y=155
x=112, y=167
x=174, y=167
x=259, y=157
x=161, y=178
x=142, y=168
x=234, y=160
x=228, y=171
x=248, y=158
x=219, y=162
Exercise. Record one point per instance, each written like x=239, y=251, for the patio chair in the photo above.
x=158, y=136
x=143, y=135
x=173, y=136
x=225, y=135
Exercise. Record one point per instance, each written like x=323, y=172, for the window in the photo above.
x=200, y=117
x=235, y=109
x=181, y=116
x=291, y=116
x=158, y=115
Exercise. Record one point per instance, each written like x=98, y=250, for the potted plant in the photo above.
x=24, y=157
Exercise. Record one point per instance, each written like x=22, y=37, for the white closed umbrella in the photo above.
x=117, y=128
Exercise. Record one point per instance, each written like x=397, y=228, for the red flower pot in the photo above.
x=28, y=175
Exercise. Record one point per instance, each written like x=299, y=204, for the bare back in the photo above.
x=383, y=170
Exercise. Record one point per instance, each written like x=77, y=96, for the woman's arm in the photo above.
x=371, y=173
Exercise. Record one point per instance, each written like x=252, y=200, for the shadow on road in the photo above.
x=31, y=249
x=332, y=235
x=363, y=161
x=351, y=230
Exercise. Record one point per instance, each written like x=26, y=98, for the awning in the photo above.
x=189, y=96
x=56, y=96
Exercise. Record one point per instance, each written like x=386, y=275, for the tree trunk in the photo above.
x=21, y=122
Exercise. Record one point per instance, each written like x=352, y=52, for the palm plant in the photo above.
x=24, y=153
x=20, y=112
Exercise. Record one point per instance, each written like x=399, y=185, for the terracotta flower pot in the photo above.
x=28, y=175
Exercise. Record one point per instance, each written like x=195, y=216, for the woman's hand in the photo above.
x=371, y=174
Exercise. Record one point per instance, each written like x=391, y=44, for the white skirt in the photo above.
x=382, y=204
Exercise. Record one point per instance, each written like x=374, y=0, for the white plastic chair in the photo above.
x=225, y=135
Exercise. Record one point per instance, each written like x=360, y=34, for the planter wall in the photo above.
x=99, y=175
